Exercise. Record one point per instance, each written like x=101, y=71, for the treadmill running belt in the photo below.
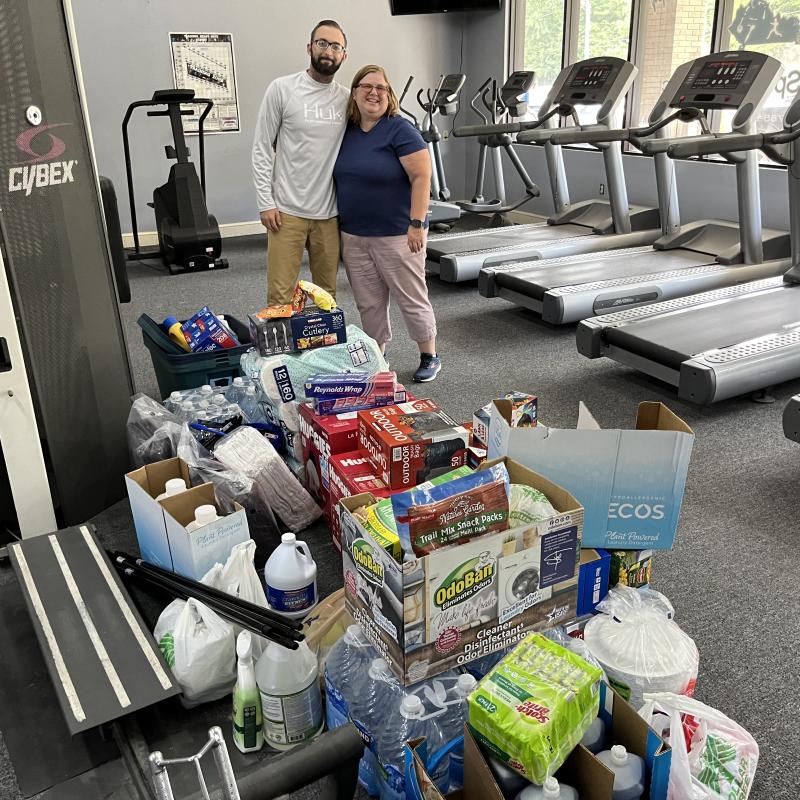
x=508, y=238
x=539, y=278
x=673, y=338
x=102, y=659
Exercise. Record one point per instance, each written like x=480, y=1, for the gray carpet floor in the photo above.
x=733, y=574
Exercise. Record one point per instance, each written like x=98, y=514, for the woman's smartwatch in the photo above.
x=416, y=223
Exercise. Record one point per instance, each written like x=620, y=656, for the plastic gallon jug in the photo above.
x=453, y=726
x=594, y=739
x=628, y=771
x=291, y=578
x=509, y=781
x=291, y=701
x=345, y=672
x=173, y=486
x=551, y=790
x=203, y=515
x=247, y=722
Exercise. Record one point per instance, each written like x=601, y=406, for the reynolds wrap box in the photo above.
x=350, y=474
x=412, y=442
x=629, y=481
x=302, y=331
x=322, y=437
x=432, y=613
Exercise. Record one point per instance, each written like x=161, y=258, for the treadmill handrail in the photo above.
x=732, y=143
x=507, y=127
x=650, y=147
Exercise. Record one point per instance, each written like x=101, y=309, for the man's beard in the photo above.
x=325, y=67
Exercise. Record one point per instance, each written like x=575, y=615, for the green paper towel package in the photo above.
x=533, y=708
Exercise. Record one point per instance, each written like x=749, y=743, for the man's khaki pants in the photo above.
x=285, y=252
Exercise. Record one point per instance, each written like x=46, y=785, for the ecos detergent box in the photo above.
x=462, y=602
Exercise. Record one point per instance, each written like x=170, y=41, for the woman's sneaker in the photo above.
x=429, y=366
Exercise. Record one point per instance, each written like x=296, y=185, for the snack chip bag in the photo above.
x=319, y=297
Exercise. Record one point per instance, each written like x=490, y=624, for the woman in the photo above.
x=383, y=179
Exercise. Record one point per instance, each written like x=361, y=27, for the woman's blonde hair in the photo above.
x=393, y=107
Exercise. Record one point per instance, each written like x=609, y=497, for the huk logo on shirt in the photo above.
x=325, y=114
x=40, y=169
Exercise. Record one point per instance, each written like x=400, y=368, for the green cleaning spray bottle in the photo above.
x=247, y=722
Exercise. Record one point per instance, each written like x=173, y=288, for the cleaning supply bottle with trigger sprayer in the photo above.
x=248, y=735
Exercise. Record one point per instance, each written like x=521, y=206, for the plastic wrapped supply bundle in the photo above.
x=532, y=709
x=713, y=757
x=153, y=432
x=527, y=505
x=245, y=450
x=640, y=646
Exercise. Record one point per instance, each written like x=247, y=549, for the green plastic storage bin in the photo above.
x=177, y=370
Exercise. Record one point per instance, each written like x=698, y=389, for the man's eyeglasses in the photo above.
x=378, y=87
x=324, y=44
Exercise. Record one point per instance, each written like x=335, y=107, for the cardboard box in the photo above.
x=630, y=482
x=193, y=554
x=631, y=568
x=321, y=437
x=480, y=425
x=305, y=330
x=416, y=613
x=350, y=474
x=204, y=332
x=411, y=443
x=582, y=771
x=593, y=579
x=144, y=485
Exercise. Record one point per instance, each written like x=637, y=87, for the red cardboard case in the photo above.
x=411, y=443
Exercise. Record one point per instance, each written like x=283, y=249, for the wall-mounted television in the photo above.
x=400, y=7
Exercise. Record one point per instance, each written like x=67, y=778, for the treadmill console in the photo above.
x=446, y=96
x=514, y=92
x=593, y=81
x=737, y=79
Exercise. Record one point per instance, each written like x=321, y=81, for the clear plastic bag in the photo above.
x=200, y=648
x=576, y=645
x=153, y=432
x=713, y=757
x=640, y=646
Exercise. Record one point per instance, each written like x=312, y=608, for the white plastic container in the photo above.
x=203, y=515
x=629, y=772
x=594, y=740
x=291, y=577
x=550, y=790
x=291, y=701
x=173, y=486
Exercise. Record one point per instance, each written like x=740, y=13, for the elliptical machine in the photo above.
x=444, y=101
x=188, y=236
x=512, y=100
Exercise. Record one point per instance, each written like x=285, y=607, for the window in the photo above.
x=543, y=43
x=670, y=33
x=771, y=27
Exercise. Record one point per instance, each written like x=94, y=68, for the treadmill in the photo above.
x=791, y=419
x=700, y=256
x=583, y=227
x=726, y=342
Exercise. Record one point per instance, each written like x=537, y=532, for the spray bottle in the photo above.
x=247, y=720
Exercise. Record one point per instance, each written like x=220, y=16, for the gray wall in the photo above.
x=704, y=189
x=124, y=52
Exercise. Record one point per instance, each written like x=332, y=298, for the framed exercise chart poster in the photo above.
x=204, y=62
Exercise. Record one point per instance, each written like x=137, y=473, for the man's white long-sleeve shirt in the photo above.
x=305, y=121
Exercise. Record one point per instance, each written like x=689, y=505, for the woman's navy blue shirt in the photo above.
x=373, y=191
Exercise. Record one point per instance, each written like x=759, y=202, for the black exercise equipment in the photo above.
x=188, y=236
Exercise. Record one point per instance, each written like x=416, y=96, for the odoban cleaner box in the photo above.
x=629, y=481
x=411, y=443
x=459, y=603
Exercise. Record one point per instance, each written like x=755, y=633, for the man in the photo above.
x=300, y=127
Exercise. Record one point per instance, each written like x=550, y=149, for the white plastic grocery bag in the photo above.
x=200, y=648
x=239, y=577
x=720, y=760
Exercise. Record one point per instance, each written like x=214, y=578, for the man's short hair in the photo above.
x=328, y=23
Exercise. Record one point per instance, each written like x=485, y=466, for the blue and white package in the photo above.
x=340, y=384
x=426, y=494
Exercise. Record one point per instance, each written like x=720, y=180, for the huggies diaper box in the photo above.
x=431, y=613
x=629, y=481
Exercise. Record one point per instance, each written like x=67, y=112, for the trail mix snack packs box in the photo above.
x=532, y=709
x=429, y=613
x=411, y=443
